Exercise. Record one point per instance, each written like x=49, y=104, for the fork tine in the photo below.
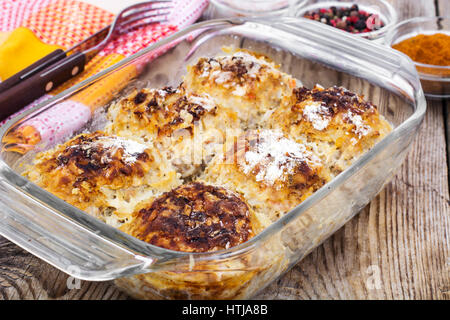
x=144, y=16
x=127, y=17
x=155, y=11
x=146, y=6
x=142, y=24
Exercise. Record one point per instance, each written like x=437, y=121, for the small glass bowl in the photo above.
x=251, y=8
x=385, y=11
x=435, y=79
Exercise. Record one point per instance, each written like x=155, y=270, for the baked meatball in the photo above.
x=272, y=172
x=101, y=174
x=248, y=83
x=194, y=217
x=188, y=128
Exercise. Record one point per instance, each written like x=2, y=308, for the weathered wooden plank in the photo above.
x=443, y=9
x=408, y=9
x=23, y=276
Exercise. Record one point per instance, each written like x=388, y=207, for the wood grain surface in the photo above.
x=396, y=248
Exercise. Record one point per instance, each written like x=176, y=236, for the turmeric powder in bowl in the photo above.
x=431, y=49
x=426, y=40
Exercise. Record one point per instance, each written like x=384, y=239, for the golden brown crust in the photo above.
x=328, y=114
x=194, y=218
x=186, y=127
x=337, y=99
x=277, y=161
x=95, y=160
x=273, y=173
x=157, y=113
x=164, y=108
x=106, y=176
x=78, y=169
x=340, y=123
x=239, y=69
x=249, y=84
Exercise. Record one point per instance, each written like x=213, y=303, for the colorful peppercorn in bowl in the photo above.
x=370, y=19
x=251, y=8
x=426, y=40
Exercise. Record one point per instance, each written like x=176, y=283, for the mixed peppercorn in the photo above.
x=350, y=19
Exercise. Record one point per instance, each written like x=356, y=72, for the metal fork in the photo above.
x=60, y=66
x=133, y=17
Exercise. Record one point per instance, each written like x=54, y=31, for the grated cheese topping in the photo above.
x=162, y=93
x=360, y=129
x=239, y=91
x=274, y=157
x=222, y=77
x=205, y=101
x=317, y=114
x=217, y=67
x=131, y=149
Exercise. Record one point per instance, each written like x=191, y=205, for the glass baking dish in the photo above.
x=87, y=248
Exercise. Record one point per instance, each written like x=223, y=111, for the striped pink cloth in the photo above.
x=69, y=116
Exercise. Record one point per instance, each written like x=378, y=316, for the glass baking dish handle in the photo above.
x=62, y=242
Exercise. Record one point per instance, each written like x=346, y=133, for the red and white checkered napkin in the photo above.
x=183, y=14
x=69, y=116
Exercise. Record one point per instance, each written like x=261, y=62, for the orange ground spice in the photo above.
x=429, y=49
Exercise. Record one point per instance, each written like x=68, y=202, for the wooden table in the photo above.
x=396, y=248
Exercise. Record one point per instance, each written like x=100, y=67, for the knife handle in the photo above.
x=39, y=65
x=28, y=90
